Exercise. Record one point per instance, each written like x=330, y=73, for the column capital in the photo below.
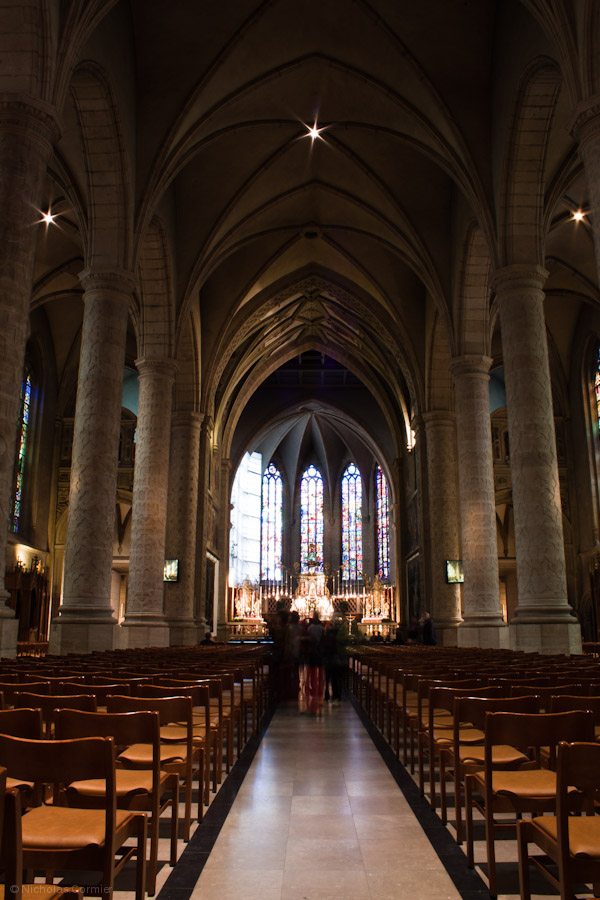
x=439, y=417
x=470, y=364
x=584, y=123
x=186, y=418
x=226, y=464
x=113, y=280
x=165, y=368
x=519, y=277
x=28, y=115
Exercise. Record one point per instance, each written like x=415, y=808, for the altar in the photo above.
x=312, y=596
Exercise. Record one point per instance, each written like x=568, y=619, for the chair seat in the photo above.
x=467, y=735
x=62, y=828
x=523, y=783
x=178, y=733
x=141, y=754
x=127, y=781
x=17, y=784
x=584, y=834
x=502, y=754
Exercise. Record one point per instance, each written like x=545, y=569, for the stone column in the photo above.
x=543, y=620
x=182, y=514
x=85, y=618
x=444, y=542
x=483, y=624
x=223, y=531
x=145, y=624
x=585, y=128
x=27, y=133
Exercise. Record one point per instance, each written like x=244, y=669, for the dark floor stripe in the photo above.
x=182, y=880
x=466, y=881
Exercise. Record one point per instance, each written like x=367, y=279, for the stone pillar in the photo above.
x=144, y=624
x=543, y=620
x=223, y=531
x=182, y=513
x=483, y=625
x=27, y=133
x=444, y=541
x=85, y=618
x=585, y=128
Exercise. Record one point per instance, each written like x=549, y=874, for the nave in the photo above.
x=320, y=816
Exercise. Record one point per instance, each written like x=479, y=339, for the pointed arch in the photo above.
x=108, y=200
x=472, y=301
x=521, y=233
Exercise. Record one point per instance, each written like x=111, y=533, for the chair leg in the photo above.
x=443, y=806
x=522, y=841
x=420, y=752
x=491, y=852
x=174, y=819
x=469, y=820
x=153, y=858
x=140, y=878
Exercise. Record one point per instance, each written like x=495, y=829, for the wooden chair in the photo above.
x=462, y=757
x=184, y=758
x=51, y=702
x=441, y=723
x=571, y=842
x=9, y=689
x=204, y=737
x=62, y=837
x=149, y=790
x=527, y=787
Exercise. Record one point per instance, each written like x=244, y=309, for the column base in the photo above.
x=9, y=631
x=185, y=634
x=492, y=636
x=142, y=635
x=82, y=637
x=447, y=635
x=546, y=637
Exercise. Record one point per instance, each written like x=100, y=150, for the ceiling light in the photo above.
x=313, y=132
x=48, y=218
x=578, y=216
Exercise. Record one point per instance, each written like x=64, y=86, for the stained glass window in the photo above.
x=271, y=524
x=597, y=387
x=352, y=561
x=383, y=524
x=311, y=520
x=21, y=456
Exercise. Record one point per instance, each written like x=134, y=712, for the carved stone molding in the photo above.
x=38, y=119
x=584, y=124
x=165, y=368
x=470, y=365
x=521, y=278
x=113, y=280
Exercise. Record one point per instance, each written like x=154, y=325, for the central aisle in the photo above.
x=320, y=817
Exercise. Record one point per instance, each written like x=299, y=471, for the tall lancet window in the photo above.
x=271, y=524
x=383, y=524
x=24, y=421
x=352, y=556
x=311, y=520
x=597, y=387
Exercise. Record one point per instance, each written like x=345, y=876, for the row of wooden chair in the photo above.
x=165, y=725
x=493, y=730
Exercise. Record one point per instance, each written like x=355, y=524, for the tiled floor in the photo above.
x=319, y=816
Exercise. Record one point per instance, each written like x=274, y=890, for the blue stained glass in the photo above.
x=24, y=428
x=271, y=524
x=383, y=524
x=311, y=520
x=352, y=558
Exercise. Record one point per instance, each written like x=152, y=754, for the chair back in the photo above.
x=51, y=702
x=565, y=702
x=24, y=723
x=578, y=766
x=531, y=731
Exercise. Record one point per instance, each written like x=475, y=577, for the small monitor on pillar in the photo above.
x=454, y=571
x=171, y=570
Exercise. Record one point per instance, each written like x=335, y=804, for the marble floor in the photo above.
x=320, y=816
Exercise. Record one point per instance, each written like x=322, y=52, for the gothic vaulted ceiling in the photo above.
x=270, y=243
